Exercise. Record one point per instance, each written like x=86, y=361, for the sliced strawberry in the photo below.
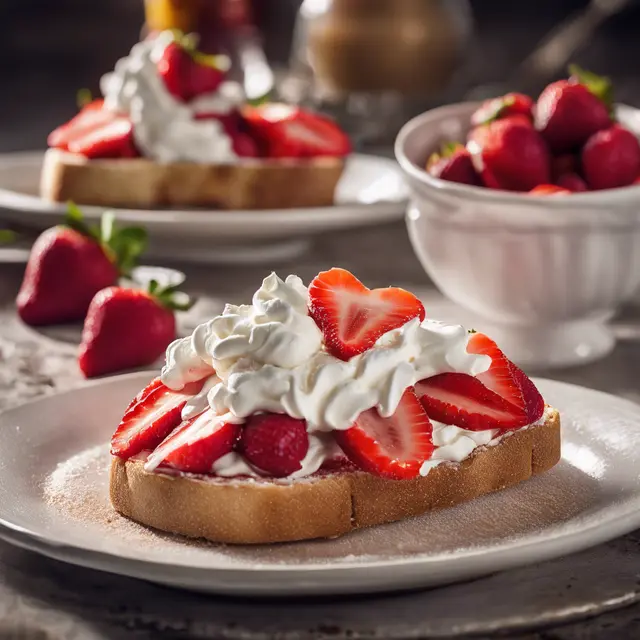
x=352, y=317
x=91, y=116
x=275, y=443
x=156, y=383
x=113, y=139
x=499, y=377
x=197, y=443
x=393, y=447
x=549, y=190
x=292, y=132
x=462, y=400
x=153, y=414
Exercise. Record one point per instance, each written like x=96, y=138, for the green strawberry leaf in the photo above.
x=123, y=246
x=170, y=297
x=7, y=236
x=600, y=86
x=83, y=98
x=449, y=148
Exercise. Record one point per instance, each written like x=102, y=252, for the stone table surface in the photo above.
x=594, y=594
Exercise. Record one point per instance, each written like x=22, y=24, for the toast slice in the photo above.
x=246, y=511
x=142, y=183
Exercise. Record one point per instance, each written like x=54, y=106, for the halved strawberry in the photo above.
x=291, y=132
x=90, y=116
x=152, y=415
x=393, y=447
x=505, y=378
x=462, y=400
x=352, y=317
x=196, y=444
x=113, y=139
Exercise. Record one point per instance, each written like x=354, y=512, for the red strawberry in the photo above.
x=511, y=155
x=113, y=139
x=127, y=328
x=569, y=111
x=290, y=132
x=90, y=116
x=573, y=182
x=462, y=400
x=563, y=164
x=549, y=190
x=275, y=443
x=611, y=158
x=352, y=317
x=500, y=398
x=510, y=104
x=505, y=378
x=70, y=263
x=150, y=417
x=197, y=443
x=188, y=73
x=393, y=447
x=245, y=146
x=453, y=164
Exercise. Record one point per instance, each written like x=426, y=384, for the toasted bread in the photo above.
x=245, y=511
x=142, y=183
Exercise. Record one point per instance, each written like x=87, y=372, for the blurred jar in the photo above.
x=376, y=56
x=214, y=20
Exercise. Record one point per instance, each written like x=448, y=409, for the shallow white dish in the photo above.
x=371, y=191
x=593, y=495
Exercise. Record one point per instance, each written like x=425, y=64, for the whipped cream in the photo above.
x=164, y=128
x=269, y=356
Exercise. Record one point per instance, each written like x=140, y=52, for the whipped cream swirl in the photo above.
x=270, y=356
x=164, y=128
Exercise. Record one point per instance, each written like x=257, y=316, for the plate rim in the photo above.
x=412, y=570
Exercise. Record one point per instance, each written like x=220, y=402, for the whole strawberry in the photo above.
x=611, y=158
x=127, y=328
x=510, y=104
x=549, y=190
x=454, y=164
x=573, y=182
x=187, y=72
x=569, y=111
x=70, y=263
x=511, y=155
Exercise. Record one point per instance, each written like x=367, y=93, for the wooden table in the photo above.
x=588, y=595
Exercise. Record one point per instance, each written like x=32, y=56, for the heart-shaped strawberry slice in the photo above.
x=352, y=317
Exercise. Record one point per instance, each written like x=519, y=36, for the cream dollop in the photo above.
x=269, y=356
x=164, y=128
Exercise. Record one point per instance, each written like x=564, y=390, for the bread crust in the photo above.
x=142, y=183
x=250, y=512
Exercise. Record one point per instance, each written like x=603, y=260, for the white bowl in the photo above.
x=546, y=273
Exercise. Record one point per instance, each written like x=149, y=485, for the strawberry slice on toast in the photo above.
x=393, y=447
x=196, y=444
x=150, y=417
x=352, y=317
x=502, y=397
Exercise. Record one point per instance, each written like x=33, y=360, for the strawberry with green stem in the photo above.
x=453, y=163
x=569, y=111
x=127, y=328
x=71, y=262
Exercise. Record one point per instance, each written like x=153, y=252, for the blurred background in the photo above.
x=451, y=50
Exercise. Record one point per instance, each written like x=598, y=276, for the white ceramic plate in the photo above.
x=62, y=510
x=371, y=191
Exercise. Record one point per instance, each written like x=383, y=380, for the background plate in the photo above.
x=371, y=191
x=62, y=511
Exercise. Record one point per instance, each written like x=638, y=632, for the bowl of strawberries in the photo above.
x=526, y=213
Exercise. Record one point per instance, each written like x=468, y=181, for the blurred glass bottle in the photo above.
x=376, y=56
